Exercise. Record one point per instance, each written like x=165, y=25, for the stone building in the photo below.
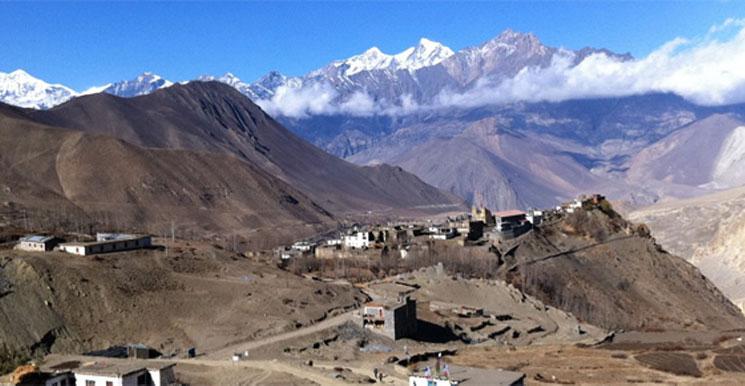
x=393, y=320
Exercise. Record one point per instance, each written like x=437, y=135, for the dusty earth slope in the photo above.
x=191, y=295
x=69, y=178
x=612, y=274
x=709, y=231
x=214, y=117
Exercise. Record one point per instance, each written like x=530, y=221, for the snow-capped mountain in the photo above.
x=21, y=89
x=262, y=89
x=427, y=53
x=145, y=83
x=419, y=74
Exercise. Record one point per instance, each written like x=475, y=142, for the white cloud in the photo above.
x=708, y=71
x=289, y=101
x=317, y=99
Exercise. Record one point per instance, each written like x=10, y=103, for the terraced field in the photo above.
x=731, y=359
x=671, y=362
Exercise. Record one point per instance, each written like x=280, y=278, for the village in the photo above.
x=479, y=227
x=391, y=312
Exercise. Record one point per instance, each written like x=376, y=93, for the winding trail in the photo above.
x=227, y=352
x=563, y=253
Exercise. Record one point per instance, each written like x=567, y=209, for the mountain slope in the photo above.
x=77, y=179
x=709, y=231
x=710, y=151
x=213, y=117
x=488, y=164
x=611, y=273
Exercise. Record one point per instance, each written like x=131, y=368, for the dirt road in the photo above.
x=227, y=352
x=270, y=366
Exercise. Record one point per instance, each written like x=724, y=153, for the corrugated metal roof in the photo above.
x=36, y=238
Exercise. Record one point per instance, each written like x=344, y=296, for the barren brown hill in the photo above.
x=214, y=117
x=194, y=295
x=77, y=179
x=716, y=244
x=612, y=274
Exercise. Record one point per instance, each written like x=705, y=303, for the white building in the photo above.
x=136, y=373
x=333, y=242
x=467, y=376
x=444, y=234
x=303, y=246
x=107, y=242
x=535, y=217
x=416, y=380
x=36, y=243
x=358, y=240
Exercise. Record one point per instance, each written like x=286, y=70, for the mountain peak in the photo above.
x=22, y=89
x=19, y=73
x=373, y=51
x=512, y=37
x=426, y=53
x=144, y=83
x=372, y=59
x=424, y=42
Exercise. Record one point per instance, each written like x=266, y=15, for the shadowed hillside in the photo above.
x=214, y=117
x=82, y=179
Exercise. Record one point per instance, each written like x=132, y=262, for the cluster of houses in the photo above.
x=104, y=243
x=480, y=225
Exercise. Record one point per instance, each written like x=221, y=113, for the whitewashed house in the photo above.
x=444, y=234
x=36, y=243
x=137, y=373
x=358, y=240
x=304, y=246
x=107, y=242
x=535, y=217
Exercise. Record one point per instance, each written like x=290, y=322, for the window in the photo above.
x=90, y=383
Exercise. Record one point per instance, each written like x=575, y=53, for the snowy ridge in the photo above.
x=426, y=53
x=21, y=89
x=144, y=84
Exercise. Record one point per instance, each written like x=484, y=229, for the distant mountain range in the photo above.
x=419, y=73
x=397, y=109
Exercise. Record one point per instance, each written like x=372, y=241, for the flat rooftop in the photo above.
x=119, y=367
x=474, y=376
x=89, y=243
x=509, y=213
x=36, y=238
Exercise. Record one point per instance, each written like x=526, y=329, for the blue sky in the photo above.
x=87, y=44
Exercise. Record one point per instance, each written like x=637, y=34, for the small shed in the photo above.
x=37, y=243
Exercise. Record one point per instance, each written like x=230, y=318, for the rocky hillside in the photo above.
x=708, y=231
x=192, y=296
x=611, y=273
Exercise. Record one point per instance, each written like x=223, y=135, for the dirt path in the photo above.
x=271, y=366
x=390, y=379
x=563, y=253
x=227, y=352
